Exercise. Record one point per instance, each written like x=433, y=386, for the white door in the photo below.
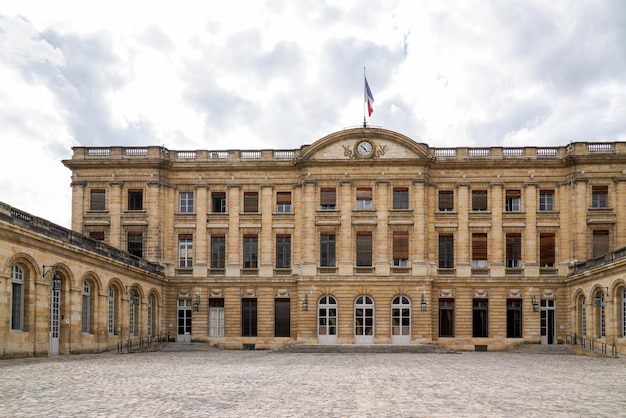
x=184, y=321
x=55, y=299
x=364, y=320
x=400, y=320
x=216, y=319
x=327, y=320
x=548, y=322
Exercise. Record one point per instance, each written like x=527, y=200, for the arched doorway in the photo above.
x=327, y=320
x=400, y=320
x=364, y=320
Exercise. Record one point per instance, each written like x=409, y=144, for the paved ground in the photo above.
x=204, y=382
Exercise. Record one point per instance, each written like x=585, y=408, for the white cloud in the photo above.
x=279, y=74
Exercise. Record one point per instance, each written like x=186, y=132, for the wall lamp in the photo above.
x=423, y=305
x=196, y=303
x=305, y=303
x=134, y=296
x=533, y=301
x=56, y=279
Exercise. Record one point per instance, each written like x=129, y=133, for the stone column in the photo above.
x=419, y=241
x=462, y=244
x=115, y=206
x=78, y=205
x=266, y=241
x=200, y=242
x=382, y=255
x=233, y=239
x=496, y=241
x=618, y=203
x=582, y=238
x=310, y=237
x=530, y=244
x=345, y=255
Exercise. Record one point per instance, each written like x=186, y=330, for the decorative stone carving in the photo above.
x=548, y=294
x=481, y=293
x=248, y=293
x=184, y=293
x=446, y=293
x=216, y=293
x=282, y=293
x=514, y=293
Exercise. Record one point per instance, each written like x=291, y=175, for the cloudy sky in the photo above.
x=280, y=74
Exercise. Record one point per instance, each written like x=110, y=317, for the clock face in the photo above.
x=364, y=148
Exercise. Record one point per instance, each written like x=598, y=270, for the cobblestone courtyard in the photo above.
x=210, y=382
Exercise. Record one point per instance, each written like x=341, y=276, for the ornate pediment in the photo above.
x=364, y=144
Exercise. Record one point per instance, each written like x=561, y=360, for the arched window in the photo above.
x=623, y=321
x=150, y=303
x=401, y=320
x=598, y=301
x=583, y=317
x=327, y=320
x=111, y=311
x=17, y=298
x=86, y=313
x=132, y=313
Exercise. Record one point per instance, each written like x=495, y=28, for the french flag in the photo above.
x=369, y=98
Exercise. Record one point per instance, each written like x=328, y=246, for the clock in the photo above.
x=364, y=148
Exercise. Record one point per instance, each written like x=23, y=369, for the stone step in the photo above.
x=363, y=348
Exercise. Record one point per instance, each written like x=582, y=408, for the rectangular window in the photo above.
x=86, y=309
x=186, y=202
x=546, y=250
x=446, y=317
x=446, y=200
x=364, y=198
x=283, y=251
x=218, y=252
x=17, y=305
x=250, y=252
x=514, y=318
x=364, y=250
x=111, y=311
x=327, y=250
x=218, y=202
x=546, y=200
x=600, y=242
x=251, y=202
x=328, y=199
x=282, y=317
x=283, y=202
x=135, y=243
x=400, y=198
x=480, y=309
x=513, y=250
x=98, y=199
x=479, y=250
x=401, y=249
x=248, y=317
x=599, y=196
x=446, y=251
x=513, y=200
x=135, y=199
x=479, y=200
x=97, y=235
x=185, y=251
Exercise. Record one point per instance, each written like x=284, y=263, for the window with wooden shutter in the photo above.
x=513, y=200
x=251, y=202
x=600, y=242
x=446, y=200
x=364, y=249
x=546, y=250
x=283, y=201
x=479, y=250
x=364, y=198
x=513, y=250
x=328, y=199
x=479, y=200
x=98, y=197
x=401, y=248
x=400, y=198
x=446, y=251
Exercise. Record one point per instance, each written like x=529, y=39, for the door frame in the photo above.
x=184, y=308
x=548, y=321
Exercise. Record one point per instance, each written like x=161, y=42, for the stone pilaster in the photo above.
x=234, y=243
x=381, y=253
x=497, y=244
x=266, y=240
x=419, y=242
x=115, y=213
x=462, y=241
x=200, y=242
x=310, y=235
x=345, y=255
x=529, y=237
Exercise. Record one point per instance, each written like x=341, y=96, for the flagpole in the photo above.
x=364, y=100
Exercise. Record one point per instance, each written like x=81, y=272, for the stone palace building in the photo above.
x=363, y=237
